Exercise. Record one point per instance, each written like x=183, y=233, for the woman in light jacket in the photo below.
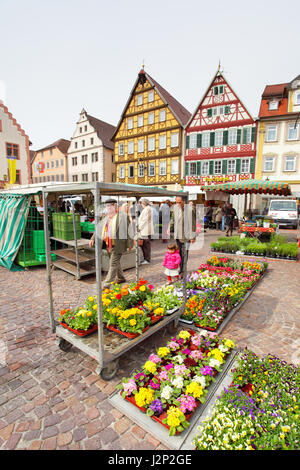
x=146, y=229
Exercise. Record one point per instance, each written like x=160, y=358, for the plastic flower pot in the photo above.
x=131, y=400
x=87, y=332
x=125, y=333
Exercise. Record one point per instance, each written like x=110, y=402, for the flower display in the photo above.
x=178, y=378
x=259, y=411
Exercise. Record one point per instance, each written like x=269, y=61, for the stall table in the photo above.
x=257, y=232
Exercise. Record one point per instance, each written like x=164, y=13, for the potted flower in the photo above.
x=82, y=322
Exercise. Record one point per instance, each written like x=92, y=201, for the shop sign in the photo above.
x=215, y=179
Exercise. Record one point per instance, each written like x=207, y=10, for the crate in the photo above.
x=42, y=257
x=39, y=241
x=64, y=220
x=87, y=226
x=66, y=234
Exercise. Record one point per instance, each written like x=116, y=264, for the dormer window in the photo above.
x=273, y=105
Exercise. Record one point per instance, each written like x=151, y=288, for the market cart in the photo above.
x=104, y=346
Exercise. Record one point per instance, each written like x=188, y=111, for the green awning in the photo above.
x=13, y=216
x=250, y=187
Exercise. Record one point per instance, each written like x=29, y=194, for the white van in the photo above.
x=284, y=211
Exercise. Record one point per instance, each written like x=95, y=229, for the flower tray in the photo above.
x=155, y=318
x=189, y=322
x=91, y=330
x=125, y=333
x=131, y=400
x=164, y=415
x=205, y=327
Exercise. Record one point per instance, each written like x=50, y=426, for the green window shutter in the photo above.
x=221, y=89
x=227, y=109
x=216, y=90
x=209, y=112
x=253, y=134
x=225, y=137
x=198, y=168
x=224, y=167
x=238, y=138
x=199, y=140
x=212, y=139
x=187, y=142
x=244, y=136
x=238, y=165
x=252, y=165
x=211, y=167
x=187, y=167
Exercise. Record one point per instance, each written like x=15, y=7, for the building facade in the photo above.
x=15, y=165
x=91, y=152
x=278, y=143
x=220, y=138
x=51, y=162
x=149, y=136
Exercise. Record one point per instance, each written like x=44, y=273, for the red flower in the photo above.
x=118, y=296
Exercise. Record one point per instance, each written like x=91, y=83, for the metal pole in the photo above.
x=136, y=241
x=75, y=240
x=185, y=219
x=48, y=261
x=98, y=255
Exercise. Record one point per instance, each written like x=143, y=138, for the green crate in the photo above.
x=39, y=241
x=66, y=234
x=90, y=227
x=42, y=257
x=64, y=220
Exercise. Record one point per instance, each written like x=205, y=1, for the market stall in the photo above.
x=105, y=347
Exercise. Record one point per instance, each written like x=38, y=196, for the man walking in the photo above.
x=115, y=238
x=146, y=229
x=184, y=218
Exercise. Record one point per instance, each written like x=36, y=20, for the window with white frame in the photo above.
x=231, y=166
x=140, y=145
x=162, y=115
x=217, y=167
x=163, y=168
x=218, y=138
x=121, y=171
x=130, y=171
x=130, y=123
x=151, y=144
x=151, y=118
x=292, y=131
x=174, y=139
x=141, y=169
x=130, y=147
x=245, y=165
x=150, y=96
x=273, y=105
x=271, y=133
x=205, y=140
x=193, y=169
x=193, y=141
x=205, y=168
x=175, y=166
x=297, y=100
x=121, y=148
x=232, y=136
x=151, y=169
x=139, y=100
x=290, y=163
x=162, y=141
x=140, y=121
x=269, y=163
x=247, y=135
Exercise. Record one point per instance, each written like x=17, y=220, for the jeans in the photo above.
x=223, y=223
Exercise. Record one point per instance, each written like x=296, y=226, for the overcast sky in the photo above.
x=59, y=56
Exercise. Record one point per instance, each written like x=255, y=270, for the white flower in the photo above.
x=167, y=392
x=178, y=359
x=178, y=382
x=214, y=363
x=200, y=379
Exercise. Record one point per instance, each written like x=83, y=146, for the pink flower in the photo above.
x=129, y=386
x=154, y=358
x=150, y=286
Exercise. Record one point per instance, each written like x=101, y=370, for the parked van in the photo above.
x=284, y=211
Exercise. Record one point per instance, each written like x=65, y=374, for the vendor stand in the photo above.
x=259, y=233
x=105, y=347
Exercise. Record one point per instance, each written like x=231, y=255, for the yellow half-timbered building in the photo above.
x=149, y=137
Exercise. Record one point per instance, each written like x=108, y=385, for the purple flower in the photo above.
x=154, y=385
x=157, y=407
x=186, y=351
x=206, y=370
x=169, y=366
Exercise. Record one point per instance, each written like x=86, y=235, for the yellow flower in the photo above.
x=144, y=396
x=162, y=352
x=132, y=322
x=91, y=299
x=89, y=313
x=150, y=367
x=173, y=416
x=194, y=389
x=184, y=334
x=95, y=307
x=142, y=288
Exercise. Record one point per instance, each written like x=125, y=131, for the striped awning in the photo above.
x=251, y=186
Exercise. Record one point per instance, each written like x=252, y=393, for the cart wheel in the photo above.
x=64, y=345
x=110, y=371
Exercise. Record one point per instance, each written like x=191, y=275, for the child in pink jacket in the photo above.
x=172, y=262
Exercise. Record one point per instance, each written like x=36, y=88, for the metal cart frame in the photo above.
x=92, y=345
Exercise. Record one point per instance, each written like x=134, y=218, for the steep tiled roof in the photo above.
x=104, y=131
x=61, y=144
x=274, y=90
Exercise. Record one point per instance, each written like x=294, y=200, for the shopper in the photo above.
x=172, y=262
x=115, y=227
x=224, y=210
x=165, y=220
x=218, y=218
x=231, y=214
x=145, y=229
x=209, y=215
x=184, y=220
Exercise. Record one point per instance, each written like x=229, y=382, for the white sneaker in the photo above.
x=145, y=262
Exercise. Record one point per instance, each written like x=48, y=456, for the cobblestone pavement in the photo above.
x=55, y=400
